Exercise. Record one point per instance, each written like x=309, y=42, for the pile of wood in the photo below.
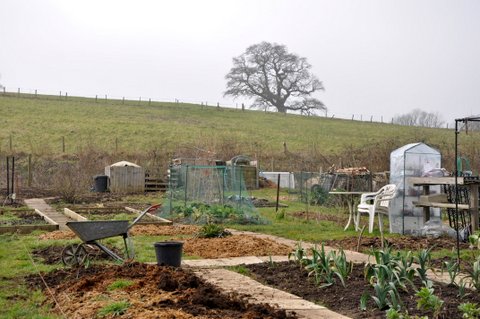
x=353, y=171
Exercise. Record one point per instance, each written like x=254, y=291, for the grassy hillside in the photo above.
x=39, y=125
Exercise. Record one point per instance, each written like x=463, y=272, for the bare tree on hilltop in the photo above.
x=275, y=78
x=418, y=117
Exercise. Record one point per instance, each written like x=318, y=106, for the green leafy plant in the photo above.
x=363, y=301
x=393, y=314
x=342, y=267
x=462, y=289
x=213, y=231
x=428, y=301
x=473, y=275
x=298, y=254
x=405, y=272
x=386, y=296
x=115, y=309
x=451, y=266
x=469, y=310
x=423, y=261
x=320, y=266
x=474, y=241
x=388, y=273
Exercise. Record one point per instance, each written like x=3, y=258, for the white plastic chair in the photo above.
x=376, y=203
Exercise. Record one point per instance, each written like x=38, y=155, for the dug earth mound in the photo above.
x=150, y=292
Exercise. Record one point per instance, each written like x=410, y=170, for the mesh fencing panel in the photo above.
x=203, y=194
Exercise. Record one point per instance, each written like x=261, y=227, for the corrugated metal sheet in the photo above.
x=126, y=179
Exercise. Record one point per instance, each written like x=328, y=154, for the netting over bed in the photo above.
x=201, y=194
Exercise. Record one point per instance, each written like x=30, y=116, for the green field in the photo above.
x=48, y=125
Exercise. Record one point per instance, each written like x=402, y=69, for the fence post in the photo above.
x=35, y=93
x=149, y=101
x=66, y=95
x=96, y=98
x=123, y=100
x=218, y=105
x=29, y=180
x=18, y=92
x=60, y=95
x=243, y=107
x=278, y=193
x=186, y=184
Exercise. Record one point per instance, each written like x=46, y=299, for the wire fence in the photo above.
x=130, y=100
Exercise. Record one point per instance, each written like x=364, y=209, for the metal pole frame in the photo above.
x=456, y=192
x=457, y=132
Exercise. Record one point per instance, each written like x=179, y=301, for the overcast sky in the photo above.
x=375, y=58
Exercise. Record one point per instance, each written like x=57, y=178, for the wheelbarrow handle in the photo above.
x=148, y=210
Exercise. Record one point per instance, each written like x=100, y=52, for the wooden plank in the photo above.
x=440, y=205
x=418, y=181
x=436, y=198
x=73, y=215
x=46, y=218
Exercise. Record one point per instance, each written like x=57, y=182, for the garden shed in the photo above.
x=126, y=177
x=411, y=160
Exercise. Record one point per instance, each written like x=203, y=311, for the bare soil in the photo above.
x=397, y=243
x=233, y=246
x=290, y=277
x=155, y=292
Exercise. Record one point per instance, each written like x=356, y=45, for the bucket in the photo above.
x=101, y=183
x=169, y=253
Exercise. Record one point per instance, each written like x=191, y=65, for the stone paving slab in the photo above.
x=232, y=282
x=232, y=261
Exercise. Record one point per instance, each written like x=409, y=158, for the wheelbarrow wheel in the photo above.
x=74, y=255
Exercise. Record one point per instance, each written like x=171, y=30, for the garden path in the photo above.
x=41, y=205
x=232, y=282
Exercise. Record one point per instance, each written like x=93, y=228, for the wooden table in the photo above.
x=351, y=206
x=426, y=182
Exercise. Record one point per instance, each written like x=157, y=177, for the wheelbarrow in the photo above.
x=91, y=231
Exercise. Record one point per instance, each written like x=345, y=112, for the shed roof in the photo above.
x=125, y=163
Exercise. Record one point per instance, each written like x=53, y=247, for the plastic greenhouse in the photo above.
x=411, y=160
